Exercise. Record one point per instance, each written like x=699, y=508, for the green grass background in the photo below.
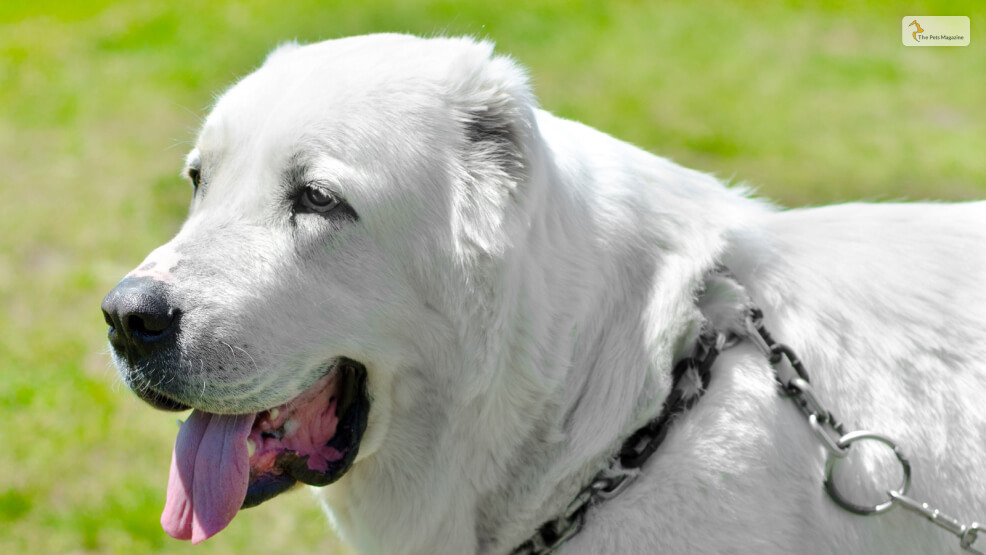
x=812, y=103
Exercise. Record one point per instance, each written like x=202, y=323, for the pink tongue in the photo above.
x=210, y=468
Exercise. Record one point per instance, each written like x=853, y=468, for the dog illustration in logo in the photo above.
x=918, y=32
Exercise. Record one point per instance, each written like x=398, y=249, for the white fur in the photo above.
x=519, y=302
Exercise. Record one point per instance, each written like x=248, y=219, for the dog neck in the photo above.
x=637, y=246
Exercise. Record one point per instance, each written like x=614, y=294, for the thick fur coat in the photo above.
x=518, y=287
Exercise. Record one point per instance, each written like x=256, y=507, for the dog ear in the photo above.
x=495, y=106
x=498, y=147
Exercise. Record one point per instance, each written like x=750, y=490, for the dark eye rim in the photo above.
x=328, y=204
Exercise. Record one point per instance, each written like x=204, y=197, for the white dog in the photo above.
x=400, y=277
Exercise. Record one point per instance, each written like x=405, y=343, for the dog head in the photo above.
x=345, y=231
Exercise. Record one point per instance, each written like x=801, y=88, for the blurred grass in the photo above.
x=98, y=100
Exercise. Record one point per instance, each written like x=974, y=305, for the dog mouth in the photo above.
x=223, y=463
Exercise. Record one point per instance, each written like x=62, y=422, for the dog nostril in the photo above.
x=150, y=324
x=136, y=323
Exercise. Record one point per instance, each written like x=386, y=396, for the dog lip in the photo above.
x=159, y=400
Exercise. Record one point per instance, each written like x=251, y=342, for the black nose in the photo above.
x=140, y=317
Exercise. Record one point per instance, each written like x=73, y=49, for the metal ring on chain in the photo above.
x=969, y=537
x=830, y=487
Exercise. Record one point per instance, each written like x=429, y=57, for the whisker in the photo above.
x=252, y=361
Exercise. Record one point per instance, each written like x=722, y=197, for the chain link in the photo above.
x=966, y=534
x=835, y=439
x=606, y=485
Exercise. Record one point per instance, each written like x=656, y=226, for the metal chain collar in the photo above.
x=838, y=442
x=624, y=467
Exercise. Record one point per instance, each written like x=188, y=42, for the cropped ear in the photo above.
x=495, y=107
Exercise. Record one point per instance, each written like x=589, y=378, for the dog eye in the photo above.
x=320, y=201
x=195, y=176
